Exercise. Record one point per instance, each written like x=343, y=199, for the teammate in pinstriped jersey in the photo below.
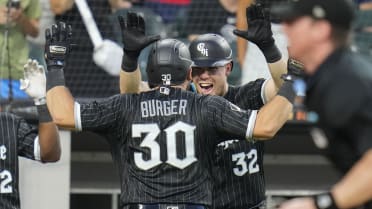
x=162, y=139
x=19, y=138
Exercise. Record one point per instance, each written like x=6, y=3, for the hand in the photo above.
x=295, y=68
x=58, y=45
x=134, y=39
x=259, y=32
x=298, y=203
x=34, y=81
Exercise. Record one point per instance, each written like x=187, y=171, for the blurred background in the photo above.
x=294, y=164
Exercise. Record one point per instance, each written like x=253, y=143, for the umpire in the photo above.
x=339, y=87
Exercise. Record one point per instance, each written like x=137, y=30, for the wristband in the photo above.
x=40, y=101
x=129, y=64
x=325, y=201
x=271, y=52
x=55, y=77
x=44, y=115
x=287, y=91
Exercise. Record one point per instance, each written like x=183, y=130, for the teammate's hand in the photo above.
x=58, y=45
x=34, y=81
x=259, y=32
x=134, y=39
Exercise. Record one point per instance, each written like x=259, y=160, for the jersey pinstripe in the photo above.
x=17, y=139
x=163, y=144
x=238, y=166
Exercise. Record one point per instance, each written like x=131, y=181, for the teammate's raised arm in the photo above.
x=259, y=32
x=134, y=40
x=59, y=99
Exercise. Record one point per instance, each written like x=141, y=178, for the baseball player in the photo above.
x=162, y=140
x=18, y=138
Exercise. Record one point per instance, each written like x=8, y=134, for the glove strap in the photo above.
x=44, y=115
x=271, y=52
x=287, y=91
x=55, y=77
x=130, y=62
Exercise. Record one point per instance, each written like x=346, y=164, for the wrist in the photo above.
x=271, y=52
x=40, y=101
x=55, y=77
x=129, y=63
x=43, y=113
x=325, y=201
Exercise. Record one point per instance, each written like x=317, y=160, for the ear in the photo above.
x=189, y=75
x=229, y=68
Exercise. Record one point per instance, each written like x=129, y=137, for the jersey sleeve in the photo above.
x=28, y=143
x=251, y=95
x=100, y=116
x=228, y=119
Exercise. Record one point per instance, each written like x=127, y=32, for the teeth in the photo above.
x=205, y=85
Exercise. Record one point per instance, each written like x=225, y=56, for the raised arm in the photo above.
x=134, y=40
x=59, y=99
x=34, y=85
x=259, y=32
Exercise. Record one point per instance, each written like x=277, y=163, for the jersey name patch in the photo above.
x=151, y=108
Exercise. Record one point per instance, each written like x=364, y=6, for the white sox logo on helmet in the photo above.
x=201, y=48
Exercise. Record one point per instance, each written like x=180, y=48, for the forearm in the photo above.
x=277, y=69
x=29, y=26
x=272, y=117
x=50, y=147
x=130, y=81
x=61, y=106
x=241, y=24
x=354, y=189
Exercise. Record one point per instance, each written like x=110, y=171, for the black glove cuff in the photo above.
x=287, y=91
x=325, y=201
x=55, y=77
x=44, y=115
x=271, y=52
x=129, y=63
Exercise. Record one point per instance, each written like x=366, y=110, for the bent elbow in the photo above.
x=51, y=157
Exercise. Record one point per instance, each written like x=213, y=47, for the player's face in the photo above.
x=211, y=80
x=300, y=34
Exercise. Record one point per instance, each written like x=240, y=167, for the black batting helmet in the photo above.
x=168, y=63
x=210, y=50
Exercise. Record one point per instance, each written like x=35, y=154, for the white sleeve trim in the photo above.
x=37, y=153
x=251, y=124
x=77, y=116
x=263, y=96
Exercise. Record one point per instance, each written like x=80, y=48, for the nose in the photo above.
x=204, y=74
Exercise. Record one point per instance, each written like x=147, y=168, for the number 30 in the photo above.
x=153, y=131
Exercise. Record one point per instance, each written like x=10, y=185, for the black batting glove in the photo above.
x=259, y=32
x=134, y=39
x=57, y=48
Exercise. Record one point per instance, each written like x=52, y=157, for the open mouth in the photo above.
x=205, y=88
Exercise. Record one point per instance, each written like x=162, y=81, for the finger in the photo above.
x=54, y=32
x=26, y=68
x=152, y=39
x=34, y=65
x=23, y=84
x=260, y=11
x=40, y=69
x=122, y=22
x=47, y=34
x=62, y=31
x=250, y=12
x=132, y=20
x=240, y=33
x=141, y=24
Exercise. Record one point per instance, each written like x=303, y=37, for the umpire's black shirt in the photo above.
x=341, y=93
